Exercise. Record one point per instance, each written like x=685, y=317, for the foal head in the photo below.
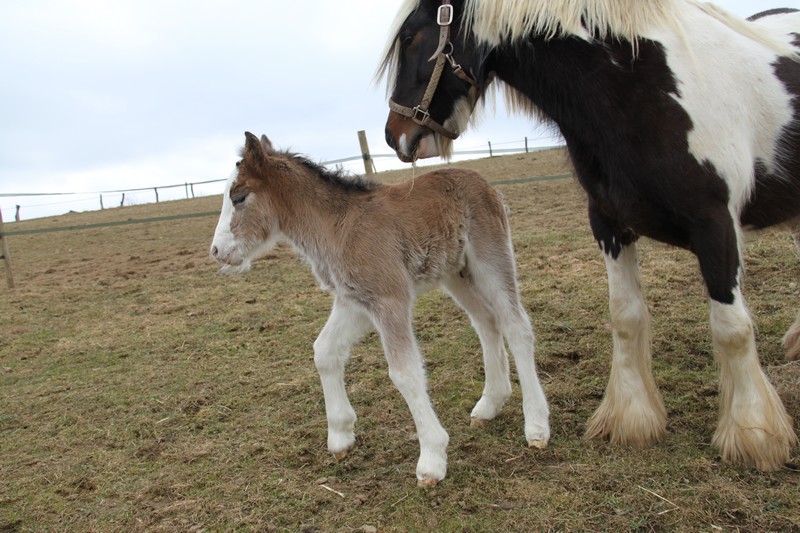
x=247, y=227
x=427, y=34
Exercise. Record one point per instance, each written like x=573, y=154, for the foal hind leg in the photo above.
x=497, y=384
x=632, y=412
x=791, y=341
x=346, y=325
x=753, y=426
x=518, y=331
x=492, y=279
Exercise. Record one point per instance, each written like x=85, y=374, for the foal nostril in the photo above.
x=214, y=251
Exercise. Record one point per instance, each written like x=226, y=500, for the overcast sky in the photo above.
x=114, y=94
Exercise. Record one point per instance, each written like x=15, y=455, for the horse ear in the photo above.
x=253, y=150
x=267, y=144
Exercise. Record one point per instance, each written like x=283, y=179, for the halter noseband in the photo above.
x=420, y=113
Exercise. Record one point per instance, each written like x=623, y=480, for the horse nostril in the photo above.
x=214, y=251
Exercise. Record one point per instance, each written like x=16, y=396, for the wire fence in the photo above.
x=39, y=204
x=6, y=259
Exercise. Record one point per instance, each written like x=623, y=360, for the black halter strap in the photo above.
x=420, y=113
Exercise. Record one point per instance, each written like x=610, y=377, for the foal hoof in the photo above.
x=427, y=483
x=340, y=455
x=538, y=444
x=478, y=422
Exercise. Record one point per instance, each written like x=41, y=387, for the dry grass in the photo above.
x=141, y=391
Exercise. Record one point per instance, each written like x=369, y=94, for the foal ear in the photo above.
x=253, y=149
x=267, y=144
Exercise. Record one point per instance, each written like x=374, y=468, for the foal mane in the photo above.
x=338, y=177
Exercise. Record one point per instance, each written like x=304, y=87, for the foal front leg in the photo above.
x=346, y=325
x=407, y=372
x=632, y=412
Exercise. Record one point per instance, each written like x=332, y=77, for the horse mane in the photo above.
x=496, y=21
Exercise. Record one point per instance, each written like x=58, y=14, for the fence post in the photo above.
x=156, y=189
x=526, y=145
x=101, y=202
x=122, y=202
x=490, y=149
x=16, y=215
x=368, y=165
x=191, y=185
x=6, y=257
x=186, y=188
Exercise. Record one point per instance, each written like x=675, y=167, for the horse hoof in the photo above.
x=478, y=422
x=340, y=455
x=427, y=483
x=539, y=444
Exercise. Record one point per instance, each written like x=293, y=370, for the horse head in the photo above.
x=435, y=77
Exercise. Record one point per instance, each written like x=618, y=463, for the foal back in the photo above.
x=423, y=230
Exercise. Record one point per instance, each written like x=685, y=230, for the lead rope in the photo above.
x=413, y=177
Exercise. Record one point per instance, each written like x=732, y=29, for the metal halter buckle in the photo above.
x=419, y=115
x=444, y=16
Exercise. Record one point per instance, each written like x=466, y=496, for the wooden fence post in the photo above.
x=368, y=164
x=156, y=190
x=6, y=257
x=526, y=145
x=490, y=149
x=101, y=202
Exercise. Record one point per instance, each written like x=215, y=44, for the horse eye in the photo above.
x=407, y=40
x=238, y=198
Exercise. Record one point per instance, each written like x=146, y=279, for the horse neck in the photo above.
x=571, y=82
x=307, y=209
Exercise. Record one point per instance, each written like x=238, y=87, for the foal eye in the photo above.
x=407, y=40
x=238, y=198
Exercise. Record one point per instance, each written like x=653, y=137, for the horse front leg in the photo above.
x=345, y=327
x=753, y=426
x=632, y=412
x=407, y=372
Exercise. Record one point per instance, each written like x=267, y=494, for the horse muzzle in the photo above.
x=410, y=141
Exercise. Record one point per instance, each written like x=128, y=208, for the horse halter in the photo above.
x=420, y=113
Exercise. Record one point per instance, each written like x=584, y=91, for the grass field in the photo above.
x=139, y=390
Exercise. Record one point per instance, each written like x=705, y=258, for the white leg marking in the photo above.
x=519, y=333
x=408, y=375
x=346, y=325
x=497, y=386
x=753, y=428
x=632, y=412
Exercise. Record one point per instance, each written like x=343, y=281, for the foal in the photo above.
x=376, y=247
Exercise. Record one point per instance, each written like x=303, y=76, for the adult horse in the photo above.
x=681, y=122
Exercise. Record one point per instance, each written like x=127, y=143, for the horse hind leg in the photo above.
x=791, y=341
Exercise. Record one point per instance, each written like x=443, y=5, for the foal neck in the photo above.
x=311, y=203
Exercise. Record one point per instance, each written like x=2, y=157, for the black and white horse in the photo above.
x=682, y=124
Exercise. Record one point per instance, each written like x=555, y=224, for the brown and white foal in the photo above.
x=376, y=247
